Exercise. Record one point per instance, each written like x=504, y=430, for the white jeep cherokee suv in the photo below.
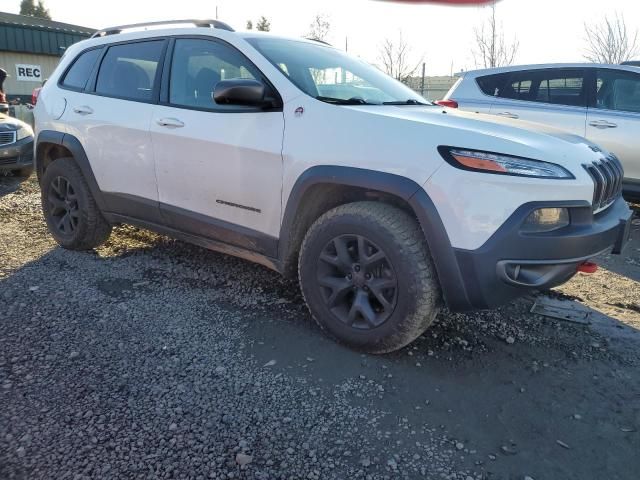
x=292, y=154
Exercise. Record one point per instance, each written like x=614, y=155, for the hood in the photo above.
x=452, y=127
x=9, y=124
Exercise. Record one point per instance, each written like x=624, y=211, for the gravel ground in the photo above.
x=151, y=358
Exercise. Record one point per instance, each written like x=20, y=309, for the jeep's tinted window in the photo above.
x=492, y=84
x=129, y=70
x=81, y=69
x=618, y=91
x=198, y=65
x=559, y=87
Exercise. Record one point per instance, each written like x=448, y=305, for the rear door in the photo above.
x=613, y=120
x=554, y=97
x=110, y=115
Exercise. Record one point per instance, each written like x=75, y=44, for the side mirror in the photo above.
x=240, y=91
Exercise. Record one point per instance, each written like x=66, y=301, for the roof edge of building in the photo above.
x=11, y=19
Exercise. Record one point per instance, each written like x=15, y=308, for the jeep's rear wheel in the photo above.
x=367, y=276
x=71, y=213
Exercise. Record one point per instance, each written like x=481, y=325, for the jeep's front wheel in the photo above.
x=71, y=213
x=367, y=276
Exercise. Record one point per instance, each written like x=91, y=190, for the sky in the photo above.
x=547, y=30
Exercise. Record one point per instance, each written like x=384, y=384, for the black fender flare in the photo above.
x=404, y=188
x=74, y=146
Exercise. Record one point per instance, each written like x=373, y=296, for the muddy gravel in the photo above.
x=151, y=358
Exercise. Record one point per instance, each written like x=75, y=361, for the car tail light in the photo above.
x=448, y=103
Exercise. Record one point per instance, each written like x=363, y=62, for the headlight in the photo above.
x=502, y=164
x=546, y=220
x=24, y=132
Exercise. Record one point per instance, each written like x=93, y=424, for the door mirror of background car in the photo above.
x=240, y=91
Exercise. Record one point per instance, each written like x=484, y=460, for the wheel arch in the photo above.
x=52, y=145
x=321, y=188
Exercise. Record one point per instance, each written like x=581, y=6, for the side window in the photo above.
x=198, y=65
x=519, y=86
x=79, y=73
x=618, y=91
x=492, y=84
x=128, y=71
x=562, y=88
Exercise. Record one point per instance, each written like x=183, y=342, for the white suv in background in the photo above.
x=292, y=154
x=599, y=102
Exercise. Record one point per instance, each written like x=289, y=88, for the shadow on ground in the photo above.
x=505, y=393
x=10, y=183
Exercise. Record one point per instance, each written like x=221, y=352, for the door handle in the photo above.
x=508, y=115
x=602, y=124
x=83, y=110
x=170, y=123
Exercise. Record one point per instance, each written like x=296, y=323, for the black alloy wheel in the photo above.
x=63, y=202
x=359, y=283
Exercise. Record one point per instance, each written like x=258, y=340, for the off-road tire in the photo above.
x=91, y=228
x=399, y=237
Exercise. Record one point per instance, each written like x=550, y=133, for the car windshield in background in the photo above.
x=332, y=76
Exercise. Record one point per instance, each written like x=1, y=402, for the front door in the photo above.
x=219, y=167
x=614, y=119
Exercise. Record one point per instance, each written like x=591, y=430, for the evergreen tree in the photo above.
x=30, y=8
x=263, y=25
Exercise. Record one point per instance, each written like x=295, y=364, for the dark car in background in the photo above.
x=16, y=146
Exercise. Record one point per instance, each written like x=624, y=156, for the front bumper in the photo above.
x=17, y=155
x=512, y=263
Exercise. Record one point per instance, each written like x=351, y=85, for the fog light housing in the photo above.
x=546, y=220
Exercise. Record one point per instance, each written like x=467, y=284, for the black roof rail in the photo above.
x=197, y=23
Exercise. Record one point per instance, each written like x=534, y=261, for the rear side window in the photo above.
x=562, y=90
x=492, y=84
x=79, y=73
x=129, y=71
x=618, y=91
x=558, y=87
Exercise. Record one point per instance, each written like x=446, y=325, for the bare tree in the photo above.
x=396, y=59
x=610, y=41
x=491, y=48
x=319, y=28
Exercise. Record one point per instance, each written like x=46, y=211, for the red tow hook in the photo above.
x=588, y=267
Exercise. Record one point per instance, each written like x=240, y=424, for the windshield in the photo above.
x=332, y=76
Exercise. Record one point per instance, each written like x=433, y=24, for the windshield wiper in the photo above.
x=343, y=101
x=411, y=101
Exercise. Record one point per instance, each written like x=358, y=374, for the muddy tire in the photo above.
x=367, y=276
x=71, y=213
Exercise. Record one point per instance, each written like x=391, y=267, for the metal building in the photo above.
x=30, y=49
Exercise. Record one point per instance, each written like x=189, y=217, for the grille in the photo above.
x=607, y=175
x=8, y=161
x=7, y=137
